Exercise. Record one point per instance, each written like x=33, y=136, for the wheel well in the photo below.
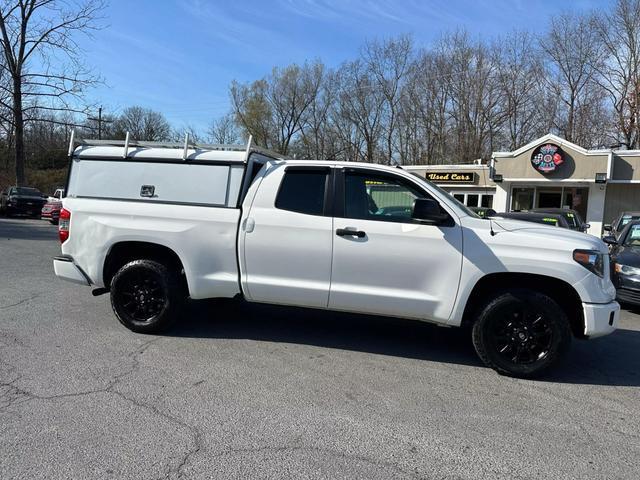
x=125, y=252
x=559, y=290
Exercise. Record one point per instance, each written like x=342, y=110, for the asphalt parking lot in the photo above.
x=240, y=391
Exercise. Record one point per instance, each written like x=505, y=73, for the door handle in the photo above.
x=345, y=232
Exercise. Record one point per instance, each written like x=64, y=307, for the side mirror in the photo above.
x=428, y=210
x=585, y=227
x=607, y=227
x=610, y=240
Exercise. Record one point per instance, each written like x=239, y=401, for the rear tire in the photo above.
x=146, y=296
x=521, y=333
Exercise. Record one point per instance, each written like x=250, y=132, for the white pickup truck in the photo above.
x=157, y=224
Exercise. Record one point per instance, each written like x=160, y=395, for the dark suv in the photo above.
x=620, y=222
x=22, y=200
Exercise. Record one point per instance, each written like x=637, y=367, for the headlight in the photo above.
x=626, y=269
x=592, y=260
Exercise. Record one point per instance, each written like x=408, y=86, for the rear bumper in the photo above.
x=600, y=319
x=66, y=269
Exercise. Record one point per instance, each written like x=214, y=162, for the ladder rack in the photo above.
x=128, y=143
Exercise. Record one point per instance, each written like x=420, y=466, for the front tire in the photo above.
x=521, y=333
x=146, y=296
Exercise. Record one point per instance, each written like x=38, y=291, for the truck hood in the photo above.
x=534, y=234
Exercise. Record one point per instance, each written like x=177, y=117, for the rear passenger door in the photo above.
x=286, y=238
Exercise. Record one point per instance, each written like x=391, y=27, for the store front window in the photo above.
x=475, y=199
x=526, y=198
x=487, y=201
x=522, y=199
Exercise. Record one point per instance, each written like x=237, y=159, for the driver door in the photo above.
x=384, y=261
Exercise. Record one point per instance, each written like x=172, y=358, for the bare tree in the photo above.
x=475, y=112
x=292, y=91
x=521, y=83
x=223, y=130
x=424, y=113
x=179, y=134
x=388, y=64
x=620, y=73
x=317, y=137
x=142, y=124
x=43, y=32
x=576, y=56
x=362, y=103
x=253, y=112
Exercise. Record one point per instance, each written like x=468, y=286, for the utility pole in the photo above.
x=100, y=123
x=100, y=120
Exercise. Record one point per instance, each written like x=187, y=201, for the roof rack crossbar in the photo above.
x=128, y=143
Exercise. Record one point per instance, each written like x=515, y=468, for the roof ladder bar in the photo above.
x=126, y=146
x=72, y=141
x=185, y=152
x=248, y=151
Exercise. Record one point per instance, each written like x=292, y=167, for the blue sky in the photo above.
x=179, y=56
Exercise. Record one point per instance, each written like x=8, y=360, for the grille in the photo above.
x=627, y=295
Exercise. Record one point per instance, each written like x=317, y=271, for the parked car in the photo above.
x=366, y=238
x=553, y=220
x=483, y=212
x=22, y=200
x=57, y=195
x=51, y=211
x=572, y=217
x=618, y=224
x=625, y=263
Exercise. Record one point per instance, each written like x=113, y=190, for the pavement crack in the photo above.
x=32, y=297
x=326, y=451
x=19, y=395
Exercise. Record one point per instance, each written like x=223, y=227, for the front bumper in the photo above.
x=25, y=208
x=600, y=319
x=66, y=269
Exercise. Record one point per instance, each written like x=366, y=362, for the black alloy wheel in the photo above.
x=146, y=296
x=521, y=333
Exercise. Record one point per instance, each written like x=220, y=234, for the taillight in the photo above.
x=63, y=225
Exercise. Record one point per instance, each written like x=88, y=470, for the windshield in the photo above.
x=573, y=219
x=27, y=191
x=633, y=236
x=626, y=219
x=458, y=203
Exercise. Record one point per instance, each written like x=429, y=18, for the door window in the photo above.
x=303, y=191
x=373, y=197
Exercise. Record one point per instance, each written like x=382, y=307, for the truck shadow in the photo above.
x=612, y=360
x=26, y=229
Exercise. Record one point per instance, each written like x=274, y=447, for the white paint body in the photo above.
x=270, y=255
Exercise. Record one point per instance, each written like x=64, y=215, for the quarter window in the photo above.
x=303, y=191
